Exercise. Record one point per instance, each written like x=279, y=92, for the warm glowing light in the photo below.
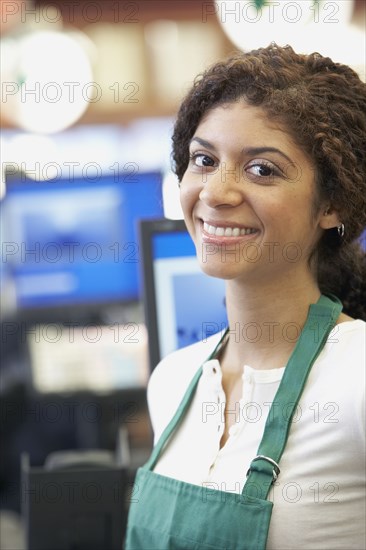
x=47, y=81
x=306, y=25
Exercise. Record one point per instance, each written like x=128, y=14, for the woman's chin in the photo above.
x=221, y=270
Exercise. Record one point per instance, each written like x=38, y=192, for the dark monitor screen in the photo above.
x=75, y=243
x=182, y=304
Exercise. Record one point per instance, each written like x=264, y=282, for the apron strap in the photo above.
x=183, y=407
x=264, y=468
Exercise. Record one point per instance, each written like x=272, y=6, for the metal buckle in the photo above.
x=276, y=469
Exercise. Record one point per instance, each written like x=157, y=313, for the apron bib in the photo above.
x=170, y=514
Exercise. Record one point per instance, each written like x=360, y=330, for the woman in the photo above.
x=267, y=447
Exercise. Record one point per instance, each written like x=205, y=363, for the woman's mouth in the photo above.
x=227, y=231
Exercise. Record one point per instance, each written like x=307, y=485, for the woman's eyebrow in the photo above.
x=248, y=151
x=203, y=142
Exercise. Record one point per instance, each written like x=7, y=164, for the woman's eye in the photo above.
x=262, y=170
x=202, y=160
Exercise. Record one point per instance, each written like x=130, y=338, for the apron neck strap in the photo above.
x=264, y=468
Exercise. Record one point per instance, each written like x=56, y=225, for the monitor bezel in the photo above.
x=149, y=228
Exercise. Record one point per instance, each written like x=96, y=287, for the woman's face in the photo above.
x=248, y=195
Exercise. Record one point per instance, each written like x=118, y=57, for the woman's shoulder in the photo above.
x=346, y=345
x=349, y=330
x=171, y=377
x=337, y=378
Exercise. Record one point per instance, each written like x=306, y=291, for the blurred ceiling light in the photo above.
x=307, y=25
x=46, y=80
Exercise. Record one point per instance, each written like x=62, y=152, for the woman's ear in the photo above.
x=329, y=218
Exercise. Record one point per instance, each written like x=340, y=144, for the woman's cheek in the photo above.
x=188, y=196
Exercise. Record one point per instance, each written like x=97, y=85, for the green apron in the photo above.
x=170, y=514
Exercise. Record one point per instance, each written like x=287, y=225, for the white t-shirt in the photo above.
x=319, y=497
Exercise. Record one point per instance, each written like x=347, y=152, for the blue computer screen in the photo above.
x=190, y=305
x=76, y=242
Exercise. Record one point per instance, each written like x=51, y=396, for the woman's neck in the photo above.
x=265, y=321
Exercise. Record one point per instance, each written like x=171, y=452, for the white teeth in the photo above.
x=227, y=231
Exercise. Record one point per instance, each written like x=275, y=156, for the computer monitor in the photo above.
x=72, y=246
x=182, y=304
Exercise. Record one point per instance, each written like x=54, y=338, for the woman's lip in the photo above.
x=213, y=239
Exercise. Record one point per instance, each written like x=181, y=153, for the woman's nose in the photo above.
x=222, y=187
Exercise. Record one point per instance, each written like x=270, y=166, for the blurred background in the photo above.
x=89, y=297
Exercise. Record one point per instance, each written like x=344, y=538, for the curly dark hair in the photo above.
x=322, y=104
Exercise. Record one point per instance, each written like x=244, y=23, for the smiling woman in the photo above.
x=260, y=431
x=320, y=106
